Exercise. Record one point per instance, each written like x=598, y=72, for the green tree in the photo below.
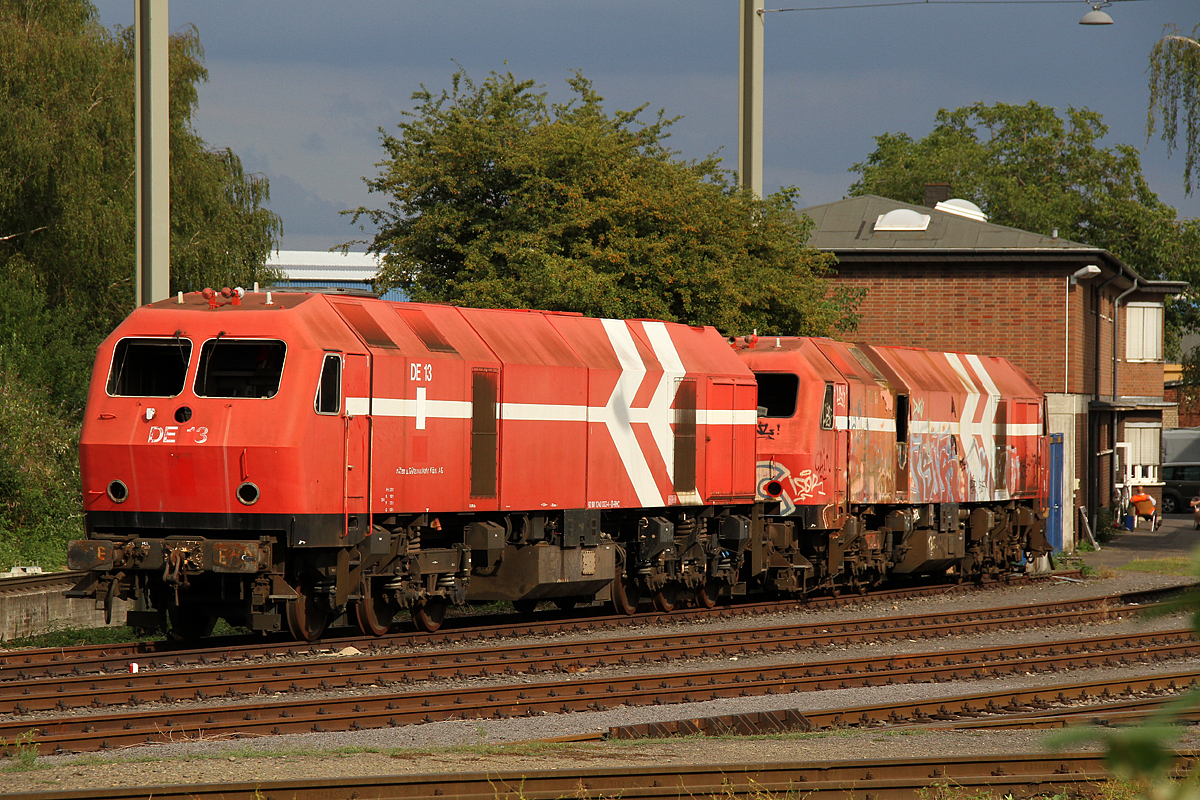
x=1175, y=88
x=1028, y=167
x=67, y=221
x=497, y=198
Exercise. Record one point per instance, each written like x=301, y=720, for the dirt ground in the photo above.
x=1177, y=537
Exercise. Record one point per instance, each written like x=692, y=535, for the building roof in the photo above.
x=321, y=265
x=850, y=224
x=852, y=230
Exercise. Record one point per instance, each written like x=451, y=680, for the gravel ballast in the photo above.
x=485, y=745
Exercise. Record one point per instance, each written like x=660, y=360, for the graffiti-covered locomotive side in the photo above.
x=898, y=460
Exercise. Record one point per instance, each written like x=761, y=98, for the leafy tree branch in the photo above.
x=496, y=197
x=1174, y=92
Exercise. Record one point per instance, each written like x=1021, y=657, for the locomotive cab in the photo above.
x=217, y=438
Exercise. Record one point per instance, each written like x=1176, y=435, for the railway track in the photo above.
x=84, y=659
x=1047, y=706
x=41, y=580
x=357, y=697
x=1021, y=775
x=238, y=677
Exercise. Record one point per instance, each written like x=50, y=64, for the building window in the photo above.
x=1143, y=454
x=1143, y=332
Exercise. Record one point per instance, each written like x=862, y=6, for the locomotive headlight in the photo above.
x=118, y=492
x=773, y=488
x=247, y=494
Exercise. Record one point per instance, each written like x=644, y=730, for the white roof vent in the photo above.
x=962, y=208
x=902, y=219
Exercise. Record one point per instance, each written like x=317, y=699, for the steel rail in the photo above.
x=989, y=709
x=57, y=661
x=36, y=694
x=881, y=779
x=392, y=709
x=41, y=580
x=1108, y=714
x=16, y=668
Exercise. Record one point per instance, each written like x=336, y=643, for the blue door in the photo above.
x=1054, y=522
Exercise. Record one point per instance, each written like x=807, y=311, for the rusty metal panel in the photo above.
x=542, y=571
x=85, y=554
x=236, y=557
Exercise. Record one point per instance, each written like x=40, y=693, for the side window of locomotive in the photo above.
x=777, y=393
x=329, y=392
x=149, y=367
x=827, y=408
x=240, y=368
x=901, y=418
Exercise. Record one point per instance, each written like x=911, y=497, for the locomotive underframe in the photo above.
x=425, y=563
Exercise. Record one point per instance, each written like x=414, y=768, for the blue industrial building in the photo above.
x=312, y=269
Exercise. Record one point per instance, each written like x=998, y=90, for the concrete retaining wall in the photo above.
x=40, y=610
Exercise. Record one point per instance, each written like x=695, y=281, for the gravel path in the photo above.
x=486, y=745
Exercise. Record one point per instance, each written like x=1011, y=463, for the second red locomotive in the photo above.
x=279, y=459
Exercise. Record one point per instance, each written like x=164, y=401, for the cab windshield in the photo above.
x=149, y=367
x=240, y=367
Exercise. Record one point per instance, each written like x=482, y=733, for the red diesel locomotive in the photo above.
x=281, y=459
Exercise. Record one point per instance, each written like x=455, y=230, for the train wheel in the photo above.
x=625, y=594
x=429, y=614
x=306, y=620
x=666, y=598
x=374, y=614
x=706, y=595
x=191, y=624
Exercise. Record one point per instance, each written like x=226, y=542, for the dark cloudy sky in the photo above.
x=299, y=89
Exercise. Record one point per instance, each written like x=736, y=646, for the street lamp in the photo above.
x=1096, y=16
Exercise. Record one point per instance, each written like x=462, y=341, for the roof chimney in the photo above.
x=936, y=193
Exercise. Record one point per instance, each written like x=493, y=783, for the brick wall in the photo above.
x=1137, y=378
x=1012, y=310
x=1027, y=312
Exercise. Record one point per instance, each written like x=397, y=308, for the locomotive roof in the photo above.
x=256, y=301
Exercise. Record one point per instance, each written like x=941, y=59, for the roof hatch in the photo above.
x=962, y=208
x=902, y=219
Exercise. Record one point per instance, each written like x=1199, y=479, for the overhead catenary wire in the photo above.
x=932, y=3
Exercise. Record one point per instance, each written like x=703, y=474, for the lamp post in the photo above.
x=750, y=97
x=151, y=108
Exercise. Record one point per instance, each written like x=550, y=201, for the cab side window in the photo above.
x=777, y=393
x=329, y=391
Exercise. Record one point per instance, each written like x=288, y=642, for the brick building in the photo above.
x=942, y=277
